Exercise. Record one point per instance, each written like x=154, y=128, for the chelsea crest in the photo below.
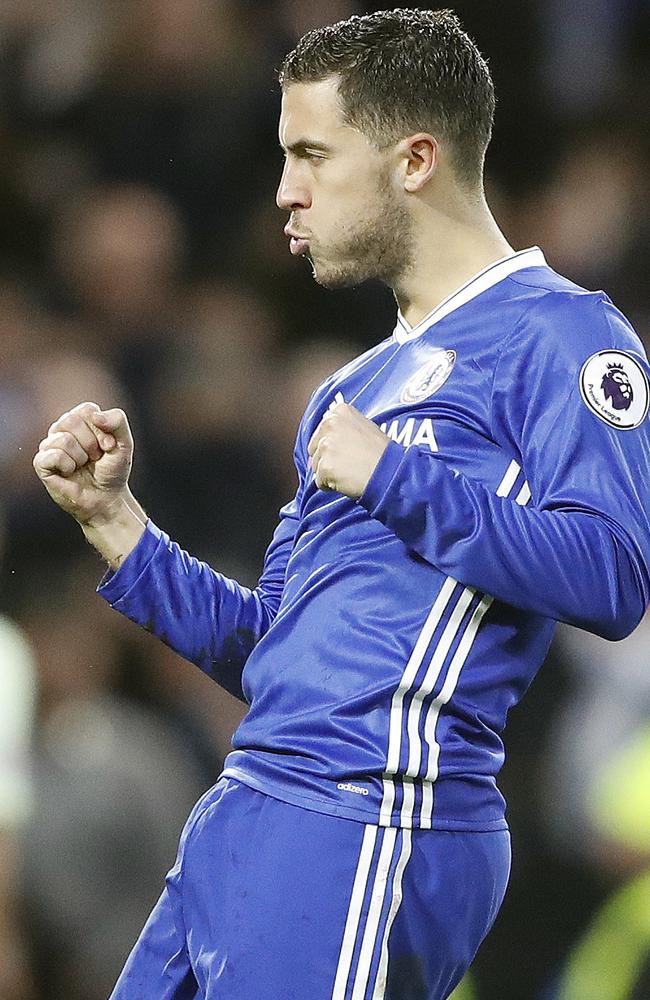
x=430, y=377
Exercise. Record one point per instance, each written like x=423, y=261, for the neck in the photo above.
x=451, y=244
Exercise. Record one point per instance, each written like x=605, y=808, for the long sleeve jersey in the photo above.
x=389, y=635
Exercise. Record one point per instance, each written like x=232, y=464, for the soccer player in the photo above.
x=476, y=476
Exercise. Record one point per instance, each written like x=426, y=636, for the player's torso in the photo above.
x=360, y=612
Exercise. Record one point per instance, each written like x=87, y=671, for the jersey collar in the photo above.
x=490, y=275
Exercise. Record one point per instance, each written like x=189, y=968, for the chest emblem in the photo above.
x=430, y=377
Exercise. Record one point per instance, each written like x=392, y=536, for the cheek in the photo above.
x=349, y=207
x=344, y=185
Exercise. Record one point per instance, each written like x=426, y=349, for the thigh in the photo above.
x=452, y=889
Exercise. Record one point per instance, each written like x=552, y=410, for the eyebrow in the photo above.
x=302, y=145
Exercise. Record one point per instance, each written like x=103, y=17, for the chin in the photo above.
x=331, y=276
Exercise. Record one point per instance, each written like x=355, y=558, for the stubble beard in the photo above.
x=379, y=248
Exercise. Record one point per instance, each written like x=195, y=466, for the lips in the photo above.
x=297, y=244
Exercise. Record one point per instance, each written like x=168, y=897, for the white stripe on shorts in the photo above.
x=369, y=941
x=354, y=912
x=382, y=972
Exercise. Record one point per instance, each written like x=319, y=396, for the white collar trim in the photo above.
x=490, y=275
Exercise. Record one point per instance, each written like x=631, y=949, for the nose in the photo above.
x=292, y=191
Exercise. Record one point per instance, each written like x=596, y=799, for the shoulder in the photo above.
x=569, y=343
x=561, y=322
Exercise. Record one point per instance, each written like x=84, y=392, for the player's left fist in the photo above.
x=345, y=449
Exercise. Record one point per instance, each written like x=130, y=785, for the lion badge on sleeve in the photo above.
x=615, y=387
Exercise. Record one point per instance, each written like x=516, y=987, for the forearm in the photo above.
x=204, y=616
x=566, y=565
x=116, y=536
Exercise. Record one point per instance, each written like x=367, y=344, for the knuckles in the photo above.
x=81, y=412
x=85, y=409
x=64, y=440
x=324, y=476
x=333, y=422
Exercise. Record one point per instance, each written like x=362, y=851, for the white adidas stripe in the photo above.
x=446, y=692
x=408, y=802
x=505, y=486
x=382, y=977
x=433, y=673
x=430, y=678
x=449, y=685
x=509, y=479
x=410, y=673
x=408, y=677
x=413, y=718
x=369, y=940
x=427, y=686
x=375, y=908
x=387, y=801
x=457, y=663
x=426, y=808
x=523, y=496
x=354, y=912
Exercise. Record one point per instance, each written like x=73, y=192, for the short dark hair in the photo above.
x=404, y=71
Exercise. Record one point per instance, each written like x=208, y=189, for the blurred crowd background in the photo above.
x=142, y=264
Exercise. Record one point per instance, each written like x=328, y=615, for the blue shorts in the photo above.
x=269, y=901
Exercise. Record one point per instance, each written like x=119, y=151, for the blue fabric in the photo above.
x=389, y=636
x=258, y=902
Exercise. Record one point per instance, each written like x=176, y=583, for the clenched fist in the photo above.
x=345, y=449
x=85, y=461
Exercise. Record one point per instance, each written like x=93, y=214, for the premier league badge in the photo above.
x=430, y=377
x=615, y=387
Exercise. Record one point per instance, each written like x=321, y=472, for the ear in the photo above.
x=421, y=152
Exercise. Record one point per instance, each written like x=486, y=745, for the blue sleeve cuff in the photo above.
x=115, y=585
x=382, y=476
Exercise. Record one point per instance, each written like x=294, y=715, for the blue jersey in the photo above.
x=389, y=636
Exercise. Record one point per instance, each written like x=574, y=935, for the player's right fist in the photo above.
x=85, y=461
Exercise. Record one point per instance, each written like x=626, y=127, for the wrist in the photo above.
x=115, y=512
x=117, y=530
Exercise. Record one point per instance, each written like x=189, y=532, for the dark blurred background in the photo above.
x=142, y=264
